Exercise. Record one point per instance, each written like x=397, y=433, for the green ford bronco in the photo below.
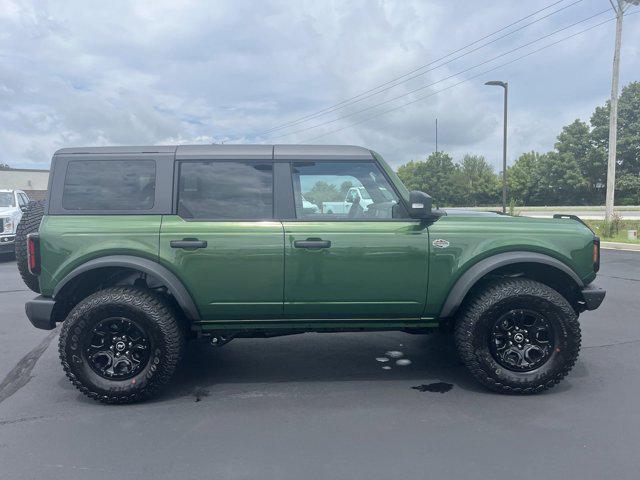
x=138, y=249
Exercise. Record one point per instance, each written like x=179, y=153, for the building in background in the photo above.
x=33, y=182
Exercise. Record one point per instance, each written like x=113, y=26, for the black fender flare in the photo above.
x=173, y=283
x=469, y=278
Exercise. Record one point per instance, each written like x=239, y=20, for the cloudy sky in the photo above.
x=81, y=73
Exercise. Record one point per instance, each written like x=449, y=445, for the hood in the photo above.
x=7, y=211
x=457, y=215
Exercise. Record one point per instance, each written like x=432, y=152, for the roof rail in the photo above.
x=573, y=217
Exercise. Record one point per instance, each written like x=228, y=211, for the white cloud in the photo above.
x=157, y=72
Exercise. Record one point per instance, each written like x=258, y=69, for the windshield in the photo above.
x=6, y=199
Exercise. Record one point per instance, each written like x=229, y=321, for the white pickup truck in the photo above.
x=354, y=194
x=12, y=204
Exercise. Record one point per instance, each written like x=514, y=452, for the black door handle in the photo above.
x=312, y=244
x=188, y=243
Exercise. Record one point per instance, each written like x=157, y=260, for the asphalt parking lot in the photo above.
x=321, y=406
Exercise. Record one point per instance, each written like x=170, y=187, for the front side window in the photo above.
x=109, y=185
x=343, y=191
x=225, y=190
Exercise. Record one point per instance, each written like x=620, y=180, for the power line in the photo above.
x=410, y=92
x=367, y=93
x=396, y=81
x=384, y=112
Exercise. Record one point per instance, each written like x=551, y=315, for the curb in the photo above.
x=628, y=247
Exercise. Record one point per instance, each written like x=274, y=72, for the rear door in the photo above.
x=367, y=262
x=223, y=241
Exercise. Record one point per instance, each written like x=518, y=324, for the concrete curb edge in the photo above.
x=629, y=247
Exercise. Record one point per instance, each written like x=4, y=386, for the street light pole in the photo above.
x=504, y=85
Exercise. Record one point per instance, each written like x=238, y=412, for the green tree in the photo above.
x=481, y=184
x=628, y=189
x=576, y=141
x=628, y=146
x=560, y=180
x=546, y=179
x=524, y=179
x=323, y=192
x=438, y=176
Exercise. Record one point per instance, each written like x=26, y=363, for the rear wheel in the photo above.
x=518, y=336
x=121, y=344
x=29, y=223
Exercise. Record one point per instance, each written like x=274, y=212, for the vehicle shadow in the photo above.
x=344, y=357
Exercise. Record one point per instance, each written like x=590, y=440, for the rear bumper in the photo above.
x=40, y=312
x=592, y=295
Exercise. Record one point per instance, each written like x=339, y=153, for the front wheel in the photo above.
x=518, y=336
x=121, y=344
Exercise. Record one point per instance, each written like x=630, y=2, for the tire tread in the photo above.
x=160, y=311
x=29, y=223
x=481, y=302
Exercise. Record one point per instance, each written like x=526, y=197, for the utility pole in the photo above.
x=619, y=8
x=436, y=135
x=504, y=85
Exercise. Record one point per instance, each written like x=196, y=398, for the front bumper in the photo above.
x=40, y=312
x=592, y=296
x=7, y=243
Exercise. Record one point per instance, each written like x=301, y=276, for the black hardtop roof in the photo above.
x=258, y=152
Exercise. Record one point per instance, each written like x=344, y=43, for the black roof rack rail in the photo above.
x=573, y=217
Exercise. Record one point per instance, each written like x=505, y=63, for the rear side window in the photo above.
x=225, y=190
x=109, y=185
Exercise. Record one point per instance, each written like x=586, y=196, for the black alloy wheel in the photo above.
x=521, y=340
x=117, y=348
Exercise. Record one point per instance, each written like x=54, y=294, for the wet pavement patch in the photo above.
x=394, y=355
x=437, y=387
x=20, y=375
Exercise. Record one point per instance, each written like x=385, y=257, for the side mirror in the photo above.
x=23, y=208
x=420, y=205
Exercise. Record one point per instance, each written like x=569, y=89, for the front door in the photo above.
x=223, y=243
x=368, y=261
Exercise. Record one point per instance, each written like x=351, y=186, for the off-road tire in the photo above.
x=471, y=334
x=29, y=223
x=145, y=307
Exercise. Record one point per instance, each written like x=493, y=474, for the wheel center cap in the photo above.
x=518, y=337
x=120, y=346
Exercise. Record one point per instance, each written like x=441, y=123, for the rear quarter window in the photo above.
x=104, y=185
